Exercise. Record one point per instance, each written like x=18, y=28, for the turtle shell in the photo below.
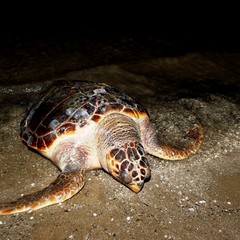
x=68, y=104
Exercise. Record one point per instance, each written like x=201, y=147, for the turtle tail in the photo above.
x=64, y=187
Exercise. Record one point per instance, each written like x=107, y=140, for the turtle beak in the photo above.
x=136, y=187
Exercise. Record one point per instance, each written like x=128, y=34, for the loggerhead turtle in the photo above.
x=81, y=126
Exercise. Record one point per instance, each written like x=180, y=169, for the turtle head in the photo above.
x=129, y=165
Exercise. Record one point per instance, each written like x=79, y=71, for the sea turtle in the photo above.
x=83, y=125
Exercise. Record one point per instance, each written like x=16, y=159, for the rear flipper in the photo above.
x=64, y=187
x=193, y=141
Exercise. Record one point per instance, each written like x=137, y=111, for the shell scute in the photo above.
x=101, y=109
x=116, y=106
x=96, y=118
x=49, y=138
x=33, y=141
x=41, y=144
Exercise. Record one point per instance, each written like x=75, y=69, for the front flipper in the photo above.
x=64, y=187
x=193, y=140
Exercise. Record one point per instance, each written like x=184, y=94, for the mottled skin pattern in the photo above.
x=81, y=126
